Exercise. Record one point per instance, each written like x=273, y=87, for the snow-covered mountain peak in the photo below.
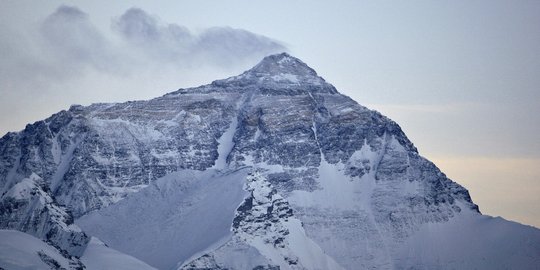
x=270, y=169
x=282, y=63
x=278, y=74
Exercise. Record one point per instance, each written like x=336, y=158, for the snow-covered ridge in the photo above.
x=279, y=74
x=265, y=223
x=21, y=251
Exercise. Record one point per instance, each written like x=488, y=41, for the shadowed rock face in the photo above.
x=280, y=113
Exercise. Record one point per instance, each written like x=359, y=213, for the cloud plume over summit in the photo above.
x=173, y=42
x=67, y=59
x=69, y=36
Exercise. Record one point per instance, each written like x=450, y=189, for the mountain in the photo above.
x=270, y=169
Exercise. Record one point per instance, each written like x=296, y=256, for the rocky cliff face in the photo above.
x=332, y=184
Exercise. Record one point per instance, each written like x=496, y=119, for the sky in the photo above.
x=462, y=78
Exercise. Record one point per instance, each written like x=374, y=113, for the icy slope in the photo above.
x=177, y=216
x=98, y=256
x=21, y=251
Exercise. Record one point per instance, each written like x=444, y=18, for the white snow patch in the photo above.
x=338, y=190
x=19, y=251
x=257, y=134
x=56, y=150
x=12, y=175
x=226, y=144
x=24, y=188
x=285, y=60
x=98, y=256
x=286, y=77
x=116, y=194
x=63, y=164
x=310, y=255
x=347, y=110
x=123, y=129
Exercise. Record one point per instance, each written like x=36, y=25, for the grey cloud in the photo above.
x=67, y=44
x=138, y=26
x=159, y=41
x=224, y=44
x=218, y=45
x=71, y=38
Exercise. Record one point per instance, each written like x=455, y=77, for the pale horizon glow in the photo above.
x=491, y=187
x=460, y=77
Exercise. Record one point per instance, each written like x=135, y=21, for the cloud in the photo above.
x=68, y=43
x=225, y=44
x=73, y=42
x=222, y=46
x=67, y=59
x=135, y=24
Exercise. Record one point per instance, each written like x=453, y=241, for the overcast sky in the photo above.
x=462, y=78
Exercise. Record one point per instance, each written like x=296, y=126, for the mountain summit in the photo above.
x=282, y=64
x=270, y=169
x=280, y=74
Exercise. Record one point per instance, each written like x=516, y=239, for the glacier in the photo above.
x=270, y=169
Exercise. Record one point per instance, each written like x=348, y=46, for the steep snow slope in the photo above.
x=270, y=168
x=175, y=217
x=98, y=256
x=21, y=251
x=267, y=232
